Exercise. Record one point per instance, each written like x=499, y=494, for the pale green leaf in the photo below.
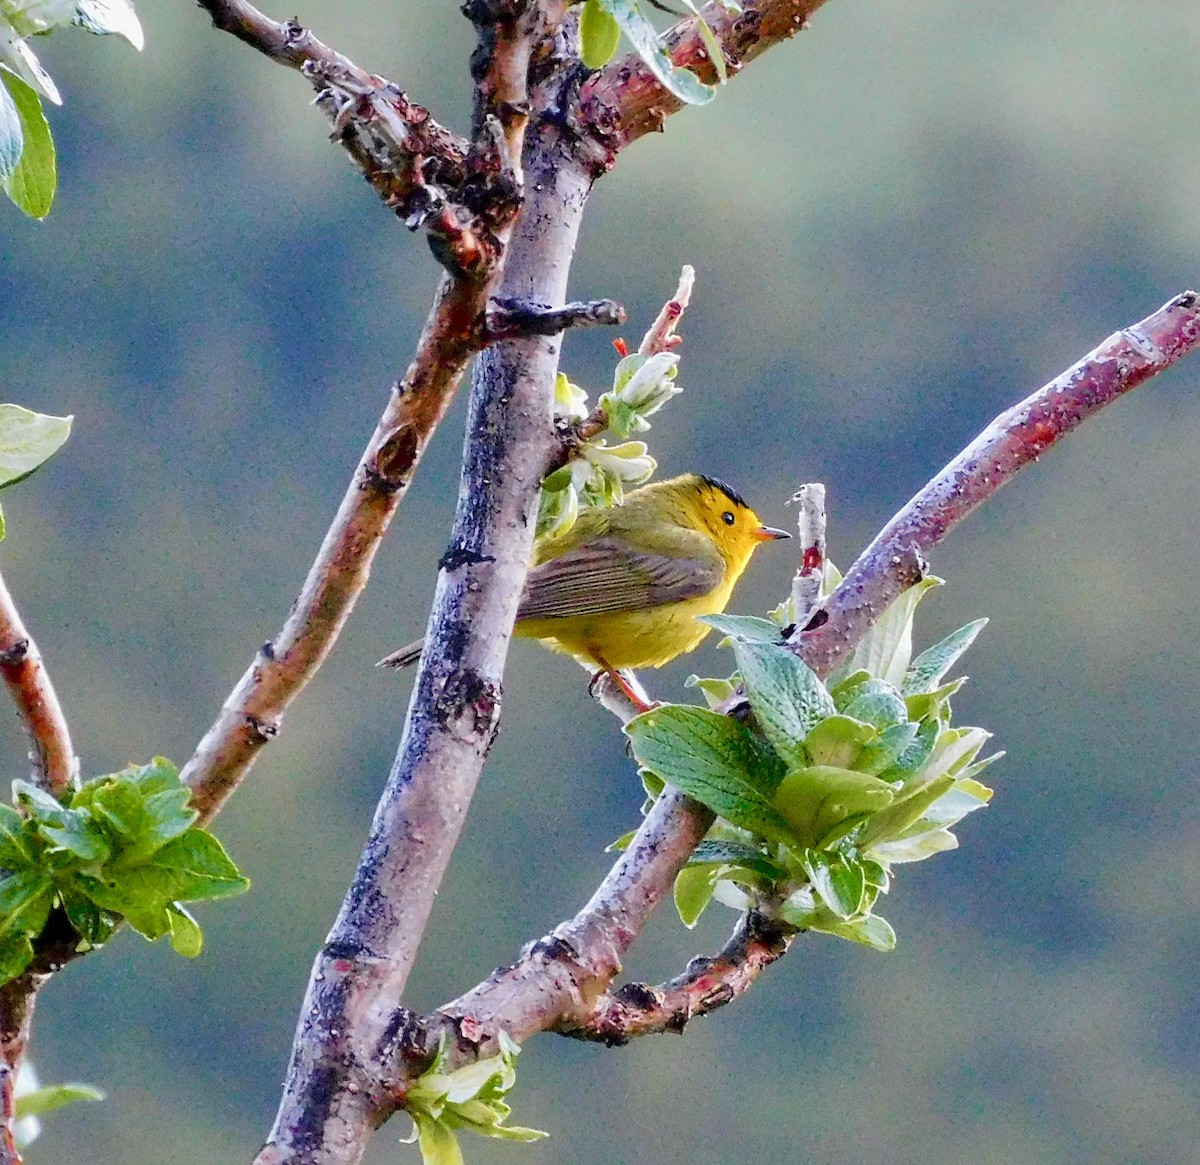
x=27, y=439
x=786, y=696
x=105, y=17
x=930, y=666
x=31, y=183
x=644, y=38
x=54, y=1096
x=886, y=648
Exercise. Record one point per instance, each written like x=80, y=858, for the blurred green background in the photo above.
x=902, y=222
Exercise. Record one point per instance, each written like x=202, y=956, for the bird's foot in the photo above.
x=628, y=690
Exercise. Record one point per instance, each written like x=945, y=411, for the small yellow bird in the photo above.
x=622, y=588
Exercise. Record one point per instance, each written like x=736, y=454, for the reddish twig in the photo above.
x=251, y=715
x=1013, y=440
x=661, y=335
x=53, y=763
x=708, y=983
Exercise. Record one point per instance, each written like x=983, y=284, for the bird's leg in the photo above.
x=626, y=684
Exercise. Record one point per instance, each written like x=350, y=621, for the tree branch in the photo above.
x=287, y=43
x=53, y=763
x=18, y=998
x=332, y=1099
x=252, y=714
x=708, y=983
x=1015, y=438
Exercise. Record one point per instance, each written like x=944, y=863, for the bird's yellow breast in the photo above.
x=631, y=639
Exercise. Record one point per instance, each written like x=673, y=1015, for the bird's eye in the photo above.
x=728, y=518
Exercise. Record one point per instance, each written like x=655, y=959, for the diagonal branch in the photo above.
x=53, y=763
x=1016, y=438
x=251, y=715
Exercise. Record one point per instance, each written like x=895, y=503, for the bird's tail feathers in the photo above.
x=405, y=657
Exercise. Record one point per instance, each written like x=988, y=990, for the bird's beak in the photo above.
x=769, y=533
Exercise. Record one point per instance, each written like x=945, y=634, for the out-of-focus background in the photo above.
x=902, y=222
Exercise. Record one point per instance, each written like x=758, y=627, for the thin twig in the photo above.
x=1013, y=440
x=252, y=714
x=510, y=318
x=52, y=760
x=286, y=43
x=638, y=1009
x=661, y=335
x=806, y=585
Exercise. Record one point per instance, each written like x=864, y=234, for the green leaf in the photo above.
x=17, y=847
x=935, y=704
x=735, y=853
x=186, y=937
x=748, y=627
x=915, y=756
x=25, y=900
x=786, y=696
x=54, y=1096
x=598, y=35
x=817, y=799
x=839, y=882
x=191, y=868
x=693, y=891
x=915, y=849
x=31, y=182
x=713, y=759
x=892, y=822
x=644, y=38
x=438, y=1144
x=140, y=813
x=27, y=439
x=886, y=648
x=877, y=703
x=12, y=138
x=105, y=17
x=930, y=666
x=837, y=741
x=715, y=692
x=871, y=931
x=16, y=953
x=882, y=753
x=95, y=926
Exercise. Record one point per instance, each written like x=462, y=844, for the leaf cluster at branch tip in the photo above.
x=122, y=846
x=471, y=1098
x=598, y=473
x=826, y=786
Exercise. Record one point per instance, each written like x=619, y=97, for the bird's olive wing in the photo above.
x=606, y=574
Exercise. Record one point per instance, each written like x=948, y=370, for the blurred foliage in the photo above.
x=901, y=222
